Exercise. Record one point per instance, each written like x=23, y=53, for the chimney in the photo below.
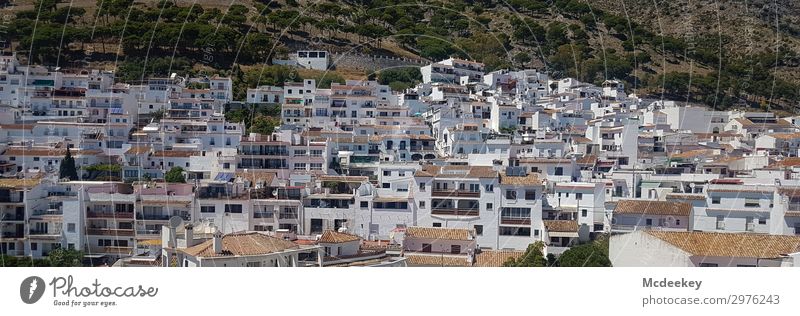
x=217, y=242
x=189, y=235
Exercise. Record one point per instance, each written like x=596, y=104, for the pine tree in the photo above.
x=67, y=168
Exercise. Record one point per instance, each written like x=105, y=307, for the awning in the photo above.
x=115, y=111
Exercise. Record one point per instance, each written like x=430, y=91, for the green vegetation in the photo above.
x=261, y=119
x=533, y=257
x=175, y=175
x=67, y=169
x=56, y=258
x=400, y=79
x=592, y=254
x=564, y=37
x=103, y=172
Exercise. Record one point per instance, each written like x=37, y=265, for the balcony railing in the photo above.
x=12, y=235
x=269, y=215
x=140, y=232
x=110, y=232
x=455, y=193
x=41, y=232
x=116, y=215
x=153, y=217
x=455, y=212
x=515, y=221
x=11, y=217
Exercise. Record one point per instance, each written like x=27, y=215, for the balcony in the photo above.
x=48, y=212
x=267, y=215
x=11, y=217
x=455, y=212
x=10, y=199
x=12, y=235
x=41, y=232
x=148, y=232
x=152, y=217
x=114, y=215
x=109, y=232
x=456, y=193
x=515, y=221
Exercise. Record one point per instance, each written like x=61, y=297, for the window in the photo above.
x=515, y=212
x=455, y=249
x=364, y=204
x=703, y=264
x=474, y=187
x=649, y=222
x=386, y=185
x=437, y=224
x=559, y=171
x=34, y=246
x=207, y=209
x=511, y=194
x=578, y=196
x=421, y=204
x=530, y=195
x=71, y=227
x=478, y=230
x=233, y=208
x=387, y=173
x=515, y=231
x=720, y=222
x=489, y=206
x=489, y=187
x=584, y=213
x=762, y=221
x=715, y=200
x=751, y=203
x=422, y=186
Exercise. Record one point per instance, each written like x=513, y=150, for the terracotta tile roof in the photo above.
x=792, y=192
x=47, y=152
x=737, y=245
x=17, y=126
x=495, y=258
x=447, y=261
x=561, y=226
x=257, y=176
x=241, y=244
x=785, y=136
x=6, y=183
x=138, y=150
x=587, y=160
x=649, y=207
x=582, y=140
x=546, y=160
x=332, y=237
x=748, y=123
x=530, y=179
x=354, y=179
x=686, y=196
x=440, y=233
x=691, y=154
x=787, y=162
x=175, y=154
x=456, y=172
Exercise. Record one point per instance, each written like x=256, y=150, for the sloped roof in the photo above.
x=241, y=244
x=649, y=207
x=564, y=226
x=439, y=233
x=737, y=245
x=333, y=237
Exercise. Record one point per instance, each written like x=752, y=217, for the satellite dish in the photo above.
x=175, y=222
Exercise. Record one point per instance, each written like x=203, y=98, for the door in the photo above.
x=426, y=247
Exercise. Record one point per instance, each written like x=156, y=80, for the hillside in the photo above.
x=721, y=53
